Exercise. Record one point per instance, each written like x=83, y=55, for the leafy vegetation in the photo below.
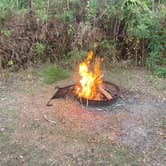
x=52, y=73
x=40, y=48
x=122, y=30
x=160, y=72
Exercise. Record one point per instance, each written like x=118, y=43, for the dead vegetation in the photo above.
x=52, y=30
x=25, y=32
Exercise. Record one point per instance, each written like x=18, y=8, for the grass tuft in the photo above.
x=160, y=72
x=52, y=73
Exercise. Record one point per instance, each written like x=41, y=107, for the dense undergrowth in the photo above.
x=37, y=31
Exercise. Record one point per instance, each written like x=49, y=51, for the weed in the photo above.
x=40, y=48
x=52, y=73
x=160, y=72
x=7, y=32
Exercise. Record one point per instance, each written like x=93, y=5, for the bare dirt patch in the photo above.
x=130, y=132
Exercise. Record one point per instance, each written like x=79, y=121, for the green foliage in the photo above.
x=10, y=63
x=136, y=14
x=7, y=32
x=76, y=54
x=91, y=8
x=144, y=24
x=74, y=57
x=5, y=10
x=23, y=4
x=40, y=48
x=160, y=72
x=139, y=27
x=67, y=16
x=108, y=50
x=157, y=40
x=42, y=14
x=41, y=9
x=123, y=29
x=52, y=73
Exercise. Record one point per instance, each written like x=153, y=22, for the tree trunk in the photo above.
x=17, y=4
x=30, y=4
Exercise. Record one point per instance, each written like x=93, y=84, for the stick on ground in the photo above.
x=46, y=118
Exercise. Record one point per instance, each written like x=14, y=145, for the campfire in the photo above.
x=91, y=84
x=90, y=90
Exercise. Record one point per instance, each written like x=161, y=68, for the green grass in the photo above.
x=160, y=72
x=52, y=73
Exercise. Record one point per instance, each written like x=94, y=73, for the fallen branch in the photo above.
x=46, y=118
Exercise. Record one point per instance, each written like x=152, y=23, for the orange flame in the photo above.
x=90, y=79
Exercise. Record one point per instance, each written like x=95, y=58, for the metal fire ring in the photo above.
x=67, y=91
x=112, y=88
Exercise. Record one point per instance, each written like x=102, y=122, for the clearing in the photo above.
x=131, y=132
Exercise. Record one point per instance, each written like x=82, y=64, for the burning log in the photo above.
x=105, y=93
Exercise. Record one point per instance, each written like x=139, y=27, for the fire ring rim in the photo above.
x=67, y=91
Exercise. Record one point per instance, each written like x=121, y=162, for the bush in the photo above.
x=73, y=58
x=132, y=30
x=5, y=11
x=108, y=50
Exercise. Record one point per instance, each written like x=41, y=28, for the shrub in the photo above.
x=124, y=29
x=73, y=58
x=108, y=50
x=145, y=32
x=5, y=11
x=92, y=9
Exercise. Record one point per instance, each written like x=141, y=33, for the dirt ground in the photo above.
x=132, y=132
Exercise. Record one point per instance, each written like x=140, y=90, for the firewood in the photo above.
x=105, y=93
